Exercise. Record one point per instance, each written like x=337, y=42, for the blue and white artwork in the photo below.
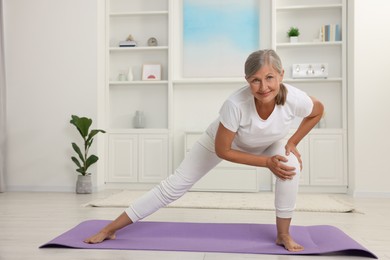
x=218, y=35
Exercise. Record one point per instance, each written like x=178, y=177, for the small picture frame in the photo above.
x=151, y=72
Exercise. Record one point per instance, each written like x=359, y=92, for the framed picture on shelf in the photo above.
x=151, y=72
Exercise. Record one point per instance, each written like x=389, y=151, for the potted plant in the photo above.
x=84, y=183
x=293, y=33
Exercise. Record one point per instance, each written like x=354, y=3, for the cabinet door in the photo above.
x=326, y=160
x=153, y=161
x=122, y=158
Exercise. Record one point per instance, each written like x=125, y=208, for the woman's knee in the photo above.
x=293, y=161
x=278, y=148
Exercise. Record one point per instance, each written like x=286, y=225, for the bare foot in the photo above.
x=99, y=237
x=288, y=243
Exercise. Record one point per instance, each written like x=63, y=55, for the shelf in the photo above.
x=307, y=7
x=306, y=44
x=139, y=13
x=209, y=80
x=143, y=48
x=138, y=82
x=138, y=131
x=290, y=80
x=243, y=81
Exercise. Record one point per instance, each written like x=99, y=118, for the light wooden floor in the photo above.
x=28, y=220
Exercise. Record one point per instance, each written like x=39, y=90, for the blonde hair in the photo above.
x=257, y=60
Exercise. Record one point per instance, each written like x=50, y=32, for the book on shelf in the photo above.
x=127, y=44
x=330, y=33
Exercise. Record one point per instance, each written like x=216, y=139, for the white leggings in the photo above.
x=195, y=165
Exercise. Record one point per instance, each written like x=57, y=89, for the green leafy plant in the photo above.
x=83, y=124
x=293, y=31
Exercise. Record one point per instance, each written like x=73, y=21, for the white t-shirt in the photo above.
x=254, y=134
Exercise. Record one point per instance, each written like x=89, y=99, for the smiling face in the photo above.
x=265, y=84
x=264, y=73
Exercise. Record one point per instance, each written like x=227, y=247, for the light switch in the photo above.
x=310, y=70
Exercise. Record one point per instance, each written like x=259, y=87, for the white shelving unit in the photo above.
x=324, y=149
x=177, y=108
x=137, y=155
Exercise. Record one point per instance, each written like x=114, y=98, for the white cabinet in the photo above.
x=226, y=176
x=327, y=160
x=153, y=158
x=139, y=158
x=122, y=158
x=323, y=160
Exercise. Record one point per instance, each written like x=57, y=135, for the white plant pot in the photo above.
x=84, y=184
x=294, y=39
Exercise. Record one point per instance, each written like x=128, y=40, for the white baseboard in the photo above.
x=370, y=194
x=15, y=188
x=40, y=188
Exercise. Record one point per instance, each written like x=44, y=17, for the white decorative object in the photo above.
x=130, y=75
x=151, y=72
x=152, y=41
x=139, y=119
x=294, y=39
x=310, y=70
x=129, y=42
x=122, y=76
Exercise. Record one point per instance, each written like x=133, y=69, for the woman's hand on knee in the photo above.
x=291, y=148
x=277, y=166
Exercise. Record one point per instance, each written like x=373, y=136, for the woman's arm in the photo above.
x=223, y=143
x=307, y=123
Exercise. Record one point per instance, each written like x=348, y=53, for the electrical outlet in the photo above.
x=310, y=70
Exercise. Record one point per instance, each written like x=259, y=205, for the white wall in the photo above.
x=370, y=113
x=51, y=73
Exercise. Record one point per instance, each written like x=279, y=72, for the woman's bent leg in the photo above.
x=285, y=198
x=195, y=165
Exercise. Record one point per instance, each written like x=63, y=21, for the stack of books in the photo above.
x=127, y=44
x=330, y=33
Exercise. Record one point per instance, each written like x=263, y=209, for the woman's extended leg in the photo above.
x=195, y=165
x=285, y=197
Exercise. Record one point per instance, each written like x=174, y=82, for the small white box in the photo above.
x=310, y=70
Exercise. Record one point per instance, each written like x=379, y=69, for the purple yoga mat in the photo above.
x=211, y=237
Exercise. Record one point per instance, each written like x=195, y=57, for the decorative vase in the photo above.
x=121, y=76
x=84, y=184
x=130, y=75
x=139, y=119
x=294, y=39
